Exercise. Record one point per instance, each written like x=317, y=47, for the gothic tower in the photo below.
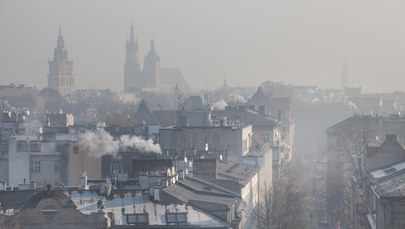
x=60, y=75
x=132, y=70
x=151, y=67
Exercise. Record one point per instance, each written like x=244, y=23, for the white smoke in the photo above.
x=140, y=144
x=101, y=143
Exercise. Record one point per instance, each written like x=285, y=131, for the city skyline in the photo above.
x=245, y=42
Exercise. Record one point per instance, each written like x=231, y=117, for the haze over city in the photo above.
x=246, y=42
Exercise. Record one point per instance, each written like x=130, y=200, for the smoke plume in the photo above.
x=101, y=143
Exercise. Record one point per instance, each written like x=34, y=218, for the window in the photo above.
x=57, y=166
x=262, y=109
x=265, y=137
x=35, y=166
x=75, y=149
x=62, y=147
x=22, y=146
x=35, y=147
x=116, y=167
x=176, y=217
x=138, y=218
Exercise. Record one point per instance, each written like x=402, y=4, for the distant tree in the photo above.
x=285, y=205
x=289, y=200
x=264, y=210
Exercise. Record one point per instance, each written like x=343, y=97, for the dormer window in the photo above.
x=49, y=211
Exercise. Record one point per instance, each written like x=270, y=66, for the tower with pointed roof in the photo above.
x=151, y=77
x=132, y=70
x=60, y=75
x=151, y=67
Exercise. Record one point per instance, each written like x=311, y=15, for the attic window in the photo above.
x=49, y=211
x=176, y=217
x=138, y=218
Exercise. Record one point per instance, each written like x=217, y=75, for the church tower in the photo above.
x=151, y=67
x=61, y=75
x=132, y=72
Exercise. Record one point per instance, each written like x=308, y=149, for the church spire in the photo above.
x=131, y=33
x=152, y=45
x=131, y=42
x=131, y=67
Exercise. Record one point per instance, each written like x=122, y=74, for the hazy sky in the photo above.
x=301, y=42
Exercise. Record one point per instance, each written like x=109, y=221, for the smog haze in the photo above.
x=246, y=42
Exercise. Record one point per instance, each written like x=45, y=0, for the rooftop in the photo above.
x=384, y=172
x=192, y=190
x=391, y=186
x=236, y=171
x=140, y=204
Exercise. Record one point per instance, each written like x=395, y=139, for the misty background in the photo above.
x=247, y=42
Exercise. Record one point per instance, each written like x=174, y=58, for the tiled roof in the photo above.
x=392, y=186
x=63, y=199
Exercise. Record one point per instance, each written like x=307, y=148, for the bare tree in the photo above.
x=285, y=205
x=263, y=211
x=289, y=200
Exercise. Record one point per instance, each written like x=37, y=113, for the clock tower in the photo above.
x=60, y=75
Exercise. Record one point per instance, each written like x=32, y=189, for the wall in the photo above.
x=236, y=141
x=81, y=161
x=19, y=164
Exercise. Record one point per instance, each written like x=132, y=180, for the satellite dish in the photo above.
x=41, y=130
x=185, y=159
x=220, y=157
x=206, y=146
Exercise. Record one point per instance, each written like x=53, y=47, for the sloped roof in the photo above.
x=392, y=186
x=143, y=114
x=240, y=172
x=259, y=98
x=165, y=117
x=390, y=152
x=191, y=190
x=15, y=199
x=356, y=121
x=173, y=76
x=63, y=199
x=245, y=116
x=193, y=103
